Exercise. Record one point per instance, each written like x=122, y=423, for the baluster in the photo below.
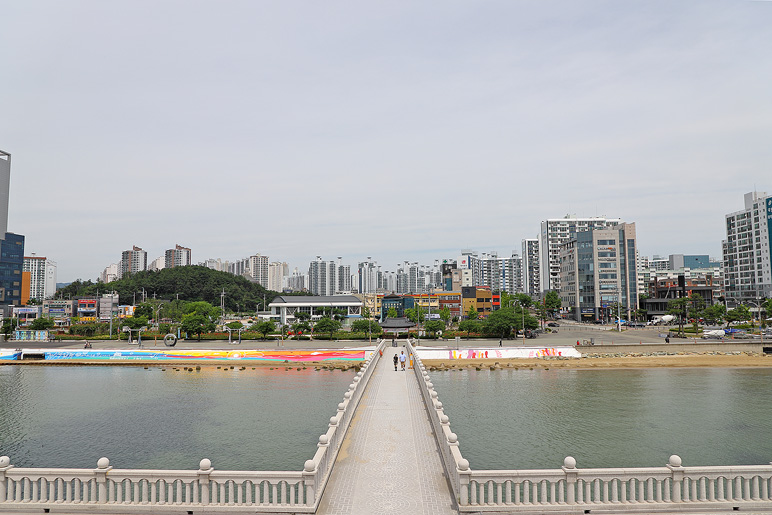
x=135, y=497
x=222, y=499
x=551, y=499
x=68, y=492
x=580, y=491
x=596, y=491
x=239, y=493
x=535, y=493
x=489, y=499
x=293, y=492
x=614, y=486
x=145, y=488
x=517, y=486
x=27, y=488
x=587, y=491
x=274, y=494
x=693, y=495
x=622, y=490
x=44, y=489
x=196, y=493
x=765, y=489
x=482, y=499
x=153, y=491
x=266, y=497
x=755, y=489
x=703, y=489
x=526, y=492
x=561, y=493
x=721, y=494
x=248, y=485
x=283, y=492
x=36, y=490
x=746, y=489
x=712, y=489
x=508, y=492
x=473, y=490
x=685, y=489
x=499, y=493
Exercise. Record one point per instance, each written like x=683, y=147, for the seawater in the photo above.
x=70, y=416
x=533, y=419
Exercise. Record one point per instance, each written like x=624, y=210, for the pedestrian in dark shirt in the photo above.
x=396, y=358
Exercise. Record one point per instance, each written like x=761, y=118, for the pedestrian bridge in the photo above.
x=388, y=449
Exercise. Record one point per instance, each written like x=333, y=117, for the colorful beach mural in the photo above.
x=291, y=356
x=9, y=355
x=497, y=353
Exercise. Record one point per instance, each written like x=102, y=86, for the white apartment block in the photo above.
x=531, y=266
x=322, y=277
x=110, y=273
x=258, y=269
x=133, y=261
x=277, y=275
x=42, y=276
x=555, y=232
x=499, y=274
x=157, y=264
x=747, y=253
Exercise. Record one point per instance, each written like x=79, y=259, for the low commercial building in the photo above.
x=283, y=308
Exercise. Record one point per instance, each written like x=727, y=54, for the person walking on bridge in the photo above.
x=402, y=359
x=396, y=358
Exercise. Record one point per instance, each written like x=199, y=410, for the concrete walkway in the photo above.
x=389, y=461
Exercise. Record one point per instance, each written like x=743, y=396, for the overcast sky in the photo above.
x=400, y=130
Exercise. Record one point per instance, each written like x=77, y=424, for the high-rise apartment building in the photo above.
x=322, y=277
x=258, y=269
x=555, y=232
x=747, y=253
x=277, y=274
x=498, y=274
x=11, y=245
x=531, y=267
x=598, y=273
x=178, y=256
x=42, y=276
x=133, y=261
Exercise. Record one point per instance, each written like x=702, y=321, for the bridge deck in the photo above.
x=389, y=461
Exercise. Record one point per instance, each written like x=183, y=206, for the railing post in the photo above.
x=677, y=476
x=309, y=480
x=103, y=467
x=5, y=465
x=464, y=477
x=569, y=468
x=204, y=469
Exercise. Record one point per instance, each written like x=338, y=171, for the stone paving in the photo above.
x=389, y=462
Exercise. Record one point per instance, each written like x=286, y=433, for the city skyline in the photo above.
x=411, y=131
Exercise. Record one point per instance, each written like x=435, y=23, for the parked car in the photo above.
x=553, y=324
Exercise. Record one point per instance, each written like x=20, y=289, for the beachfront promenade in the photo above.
x=389, y=448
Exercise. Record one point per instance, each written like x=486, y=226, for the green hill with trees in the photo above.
x=188, y=283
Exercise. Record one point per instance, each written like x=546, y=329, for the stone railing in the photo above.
x=109, y=490
x=572, y=490
x=330, y=442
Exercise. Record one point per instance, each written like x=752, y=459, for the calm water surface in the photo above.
x=524, y=419
x=242, y=420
